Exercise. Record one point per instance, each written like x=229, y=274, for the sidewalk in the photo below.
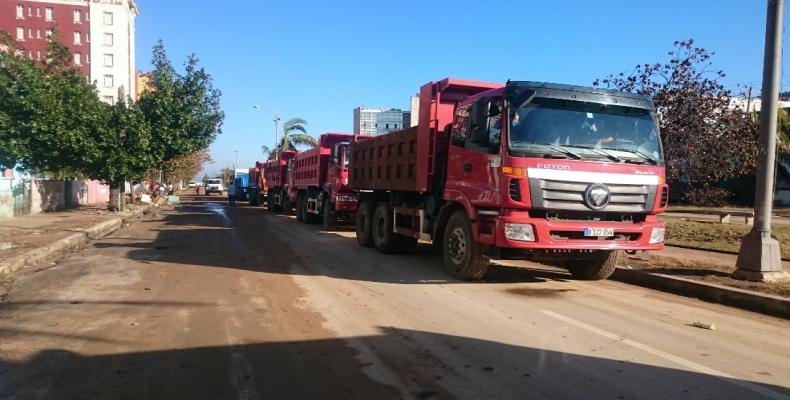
x=40, y=235
x=706, y=266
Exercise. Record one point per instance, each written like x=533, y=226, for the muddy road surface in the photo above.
x=211, y=302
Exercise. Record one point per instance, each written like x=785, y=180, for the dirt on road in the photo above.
x=212, y=302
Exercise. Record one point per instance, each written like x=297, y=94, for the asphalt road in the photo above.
x=211, y=302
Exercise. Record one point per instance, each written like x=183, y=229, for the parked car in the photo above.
x=214, y=186
x=191, y=184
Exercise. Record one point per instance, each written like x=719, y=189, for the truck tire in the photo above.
x=329, y=218
x=300, y=208
x=599, y=265
x=464, y=258
x=364, y=224
x=309, y=218
x=270, y=202
x=384, y=239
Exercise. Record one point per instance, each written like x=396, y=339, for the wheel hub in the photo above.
x=457, y=245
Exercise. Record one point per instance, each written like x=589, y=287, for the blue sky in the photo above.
x=320, y=59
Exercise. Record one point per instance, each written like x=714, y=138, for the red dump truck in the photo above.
x=557, y=173
x=319, y=181
x=277, y=180
x=256, y=191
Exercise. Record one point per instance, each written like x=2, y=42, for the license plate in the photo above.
x=599, y=232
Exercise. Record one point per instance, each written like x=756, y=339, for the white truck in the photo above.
x=214, y=186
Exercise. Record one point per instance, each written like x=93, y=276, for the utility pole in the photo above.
x=276, y=137
x=748, y=100
x=235, y=160
x=759, y=258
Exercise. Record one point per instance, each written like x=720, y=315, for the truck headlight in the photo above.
x=657, y=236
x=341, y=199
x=520, y=232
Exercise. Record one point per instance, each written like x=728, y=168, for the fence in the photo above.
x=15, y=197
x=22, y=196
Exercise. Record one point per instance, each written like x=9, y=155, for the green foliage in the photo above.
x=183, y=111
x=294, y=134
x=52, y=120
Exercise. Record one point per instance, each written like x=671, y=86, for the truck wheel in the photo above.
x=463, y=256
x=270, y=203
x=300, y=208
x=364, y=224
x=384, y=239
x=328, y=214
x=309, y=218
x=599, y=265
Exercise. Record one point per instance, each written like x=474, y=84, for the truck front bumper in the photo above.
x=569, y=235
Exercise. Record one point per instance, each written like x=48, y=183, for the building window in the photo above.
x=108, y=60
x=38, y=54
x=88, y=37
x=77, y=59
x=107, y=18
x=30, y=33
x=38, y=12
x=77, y=17
x=77, y=37
x=38, y=33
x=20, y=12
x=109, y=99
x=108, y=81
x=20, y=33
x=30, y=11
x=48, y=14
x=108, y=39
x=30, y=54
x=88, y=57
x=50, y=32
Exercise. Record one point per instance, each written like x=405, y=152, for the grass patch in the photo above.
x=714, y=236
x=782, y=212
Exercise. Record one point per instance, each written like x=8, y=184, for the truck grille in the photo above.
x=515, y=190
x=562, y=195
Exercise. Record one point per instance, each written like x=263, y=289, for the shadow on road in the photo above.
x=328, y=369
x=251, y=238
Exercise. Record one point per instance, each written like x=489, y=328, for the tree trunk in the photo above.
x=117, y=198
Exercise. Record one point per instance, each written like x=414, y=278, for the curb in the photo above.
x=94, y=232
x=732, y=253
x=744, y=299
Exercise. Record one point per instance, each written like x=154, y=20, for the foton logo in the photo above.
x=644, y=173
x=554, y=166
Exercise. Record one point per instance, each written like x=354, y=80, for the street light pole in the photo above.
x=759, y=258
x=276, y=126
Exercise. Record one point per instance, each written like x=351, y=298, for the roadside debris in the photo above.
x=702, y=325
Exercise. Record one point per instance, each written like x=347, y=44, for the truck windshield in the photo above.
x=214, y=181
x=588, y=130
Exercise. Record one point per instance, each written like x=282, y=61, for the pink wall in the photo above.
x=98, y=192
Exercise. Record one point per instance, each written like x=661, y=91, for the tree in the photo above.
x=184, y=168
x=183, y=110
x=227, y=174
x=706, y=139
x=47, y=112
x=294, y=134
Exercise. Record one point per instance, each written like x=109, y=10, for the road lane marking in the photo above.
x=678, y=360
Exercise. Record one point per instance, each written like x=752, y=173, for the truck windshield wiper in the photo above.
x=640, y=154
x=563, y=151
x=600, y=152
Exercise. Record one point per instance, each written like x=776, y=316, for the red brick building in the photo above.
x=100, y=34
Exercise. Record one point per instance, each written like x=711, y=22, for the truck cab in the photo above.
x=559, y=169
x=550, y=172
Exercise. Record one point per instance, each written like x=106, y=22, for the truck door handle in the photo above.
x=468, y=167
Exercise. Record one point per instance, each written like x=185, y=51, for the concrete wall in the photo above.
x=47, y=195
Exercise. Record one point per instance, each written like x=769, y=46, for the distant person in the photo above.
x=232, y=194
x=197, y=188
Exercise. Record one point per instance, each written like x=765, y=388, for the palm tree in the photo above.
x=294, y=134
